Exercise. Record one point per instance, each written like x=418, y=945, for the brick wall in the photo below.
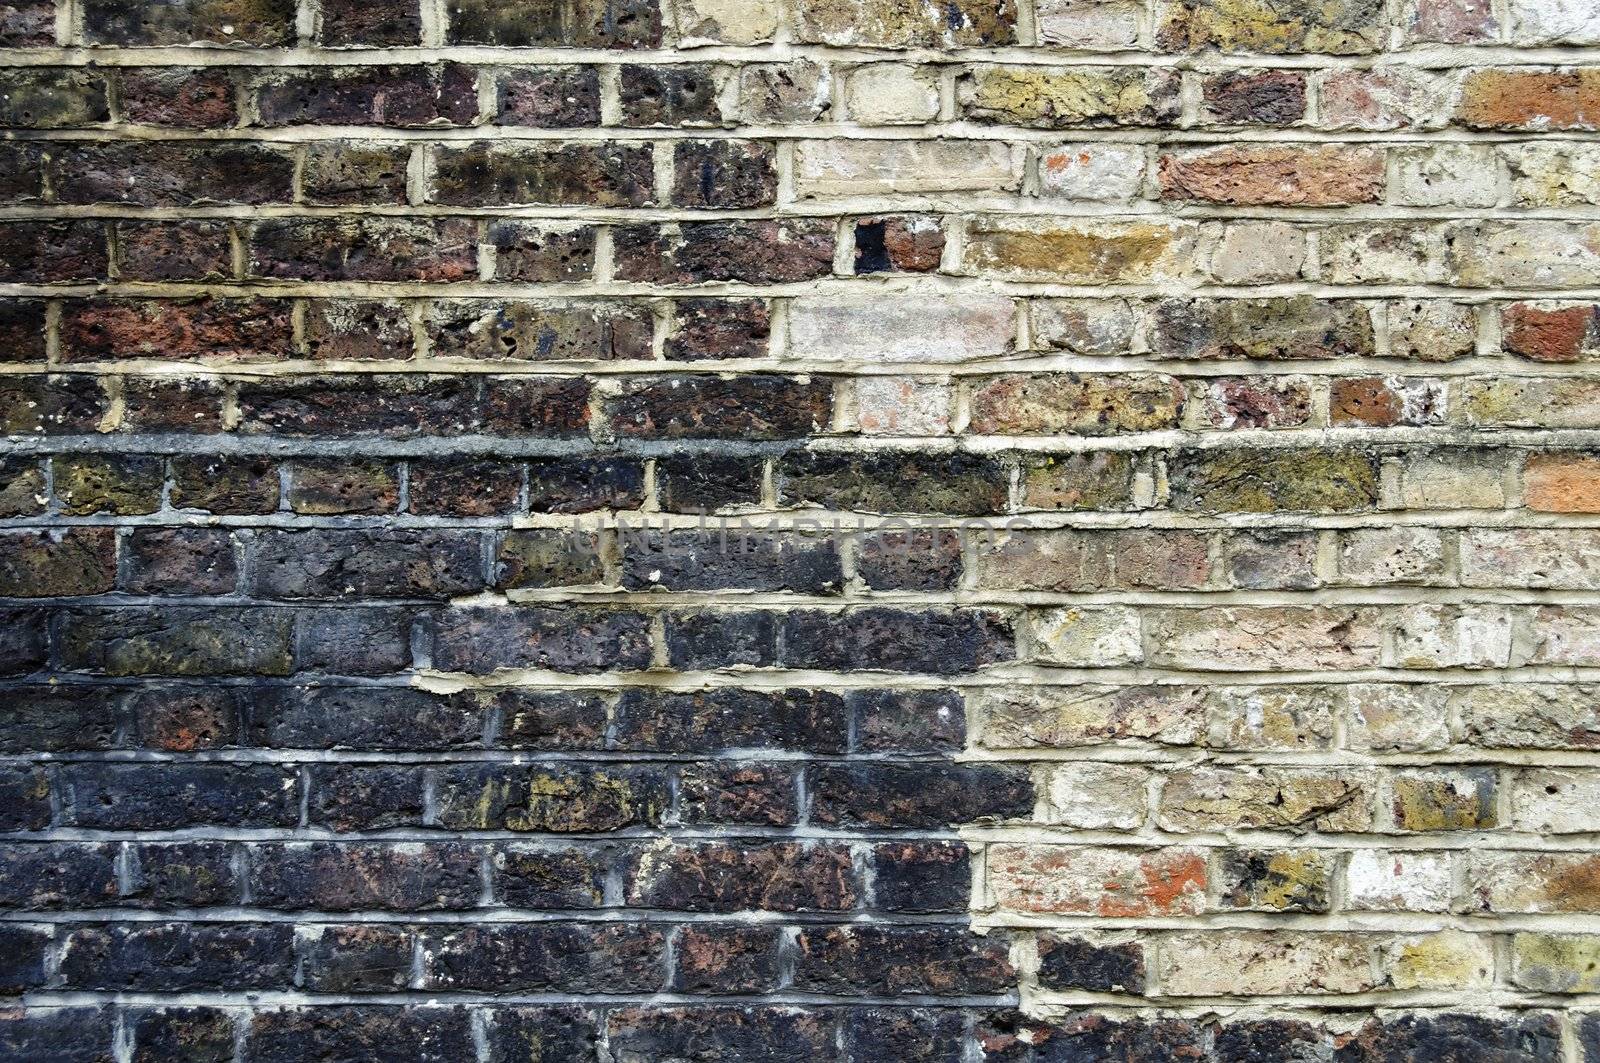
x=861, y=530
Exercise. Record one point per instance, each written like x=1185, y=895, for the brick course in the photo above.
x=654, y=530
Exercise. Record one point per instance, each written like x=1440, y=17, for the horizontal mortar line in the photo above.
x=1484, y=924
x=1354, y=597
x=1420, y=56
x=1481, y=996
x=1141, y=754
x=315, y=919
x=849, y=522
x=878, y=285
x=810, y=208
x=257, y=999
x=462, y=446
x=957, y=130
x=1490, y=367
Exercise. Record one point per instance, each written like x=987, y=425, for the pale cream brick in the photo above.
x=1097, y=172
x=1258, y=963
x=1087, y=637
x=880, y=167
x=1095, y=796
x=1063, y=717
x=705, y=22
x=1454, y=175
x=1380, y=880
x=1451, y=636
x=1555, y=800
x=1115, y=883
x=901, y=327
x=1560, y=558
x=1375, y=557
x=1098, y=25
x=1444, y=960
x=1398, y=717
x=1259, y=252
x=1272, y=717
x=892, y=94
x=887, y=405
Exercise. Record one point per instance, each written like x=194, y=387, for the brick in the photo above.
x=1079, y=482
x=24, y=644
x=464, y=488
x=60, y=563
x=679, y=95
x=1453, y=21
x=429, y=1034
x=518, y=330
x=1454, y=176
x=697, y=252
x=181, y=1033
x=1283, y=880
x=1347, y=27
x=364, y=249
x=345, y=959
x=1431, y=331
x=1259, y=253
x=154, y=797
x=129, y=485
x=509, y=174
x=886, y=24
x=1067, y=963
x=708, y=22
x=892, y=482
x=178, y=956
x=1094, y=796
x=1561, y=98
x=349, y=23
x=1398, y=881
x=1252, y=402
x=1444, y=800
x=1533, y=715
x=727, y=959
x=28, y=23
x=584, y=485
x=730, y=719
x=718, y=877
x=882, y=960
x=1089, y=24
x=22, y=330
x=1287, y=717
x=1552, y=175
x=51, y=252
x=549, y=558
x=886, y=639
x=338, y=564
x=1397, y=717
x=1562, y=483
x=1379, y=254
x=171, y=174
x=178, y=641
x=1082, y=252
x=57, y=718
x=798, y=91
x=931, y=796
x=740, y=794
x=39, y=876
x=179, y=98
x=1063, y=717
x=702, y=407
x=184, y=875
x=1272, y=98
x=369, y=95
x=1104, y=173
x=181, y=561
x=561, y=801
x=1110, y=883
x=1075, y=404
x=1511, y=881
x=1062, y=98
x=572, y=24
x=24, y=965
x=921, y=876
x=1263, y=962
x=1551, y=332
x=476, y=639
x=177, y=329
x=850, y=329
x=826, y=169
x=761, y=1034
x=355, y=172
x=1272, y=481
x=540, y=876
x=1277, y=176
x=250, y=22
x=1081, y=560
x=184, y=251
x=891, y=94
x=324, y=876
x=332, y=487
x=548, y=97
x=1291, y=799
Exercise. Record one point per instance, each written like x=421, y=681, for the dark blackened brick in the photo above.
x=924, y=559
x=1272, y=97
x=183, y=875
x=706, y=484
x=402, y=96
x=569, y=958
x=544, y=253
x=355, y=172
x=582, y=485
x=336, y=563
x=334, y=486
x=730, y=558
x=542, y=1035
x=51, y=405
x=182, y=1035
x=1531, y=1036
x=923, y=795
x=177, y=956
x=225, y=485
x=169, y=796
x=1081, y=963
x=59, y=1035
x=945, y=643
x=718, y=328
x=575, y=174
x=464, y=488
x=58, y=562
x=171, y=174
x=908, y=721
x=744, y=875
x=394, y=1034
x=1087, y=1035
x=354, y=641
x=52, y=97
x=570, y=23
x=544, y=876
x=24, y=798
x=750, y=1034
x=366, y=330
x=206, y=329
x=898, y=244
x=38, y=875
x=21, y=173
x=539, y=330
x=41, y=252
x=709, y=720
x=676, y=95
x=550, y=407
x=355, y=797
x=28, y=24
x=752, y=251
x=370, y=23
x=905, y=1035
x=549, y=557
x=738, y=792
x=55, y=718
x=152, y=404
x=557, y=800
x=250, y=22
x=362, y=717
x=22, y=957
x=22, y=330
x=481, y=639
x=356, y=959
x=709, y=407
x=394, y=407
x=353, y=876
x=921, y=877
x=534, y=719
x=724, y=174
x=963, y=484
x=23, y=640
x=167, y=251
x=365, y=249
x=549, y=97
x=127, y=485
x=180, y=719
x=1261, y=1039
x=180, y=98
x=181, y=561
x=707, y=639
x=177, y=640
x=714, y=959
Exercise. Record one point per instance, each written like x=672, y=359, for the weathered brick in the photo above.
x=1561, y=98
x=1080, y=252
x=1272, y=480
x=720, y=877
x=560, y=801
x=1058, y=98
x=179, y=329
x=548, y=97
x=882, y=960
x=893, y=482
x=348, y=876
x=931, y=796
x=1345, y=27
x=355, y=173
x=482, y=639
x=250, y=22
x=887, y=24
x=705, y=407
x=369, y=95
x=1076, y=404
x=1277, y=176
x=156, y=797
x=1292, y=799
x=696, y=252
x=1110, y=882
x=171, y=174
x=509, y=174
x=571, y=24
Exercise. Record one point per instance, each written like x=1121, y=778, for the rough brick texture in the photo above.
x=720, y=531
